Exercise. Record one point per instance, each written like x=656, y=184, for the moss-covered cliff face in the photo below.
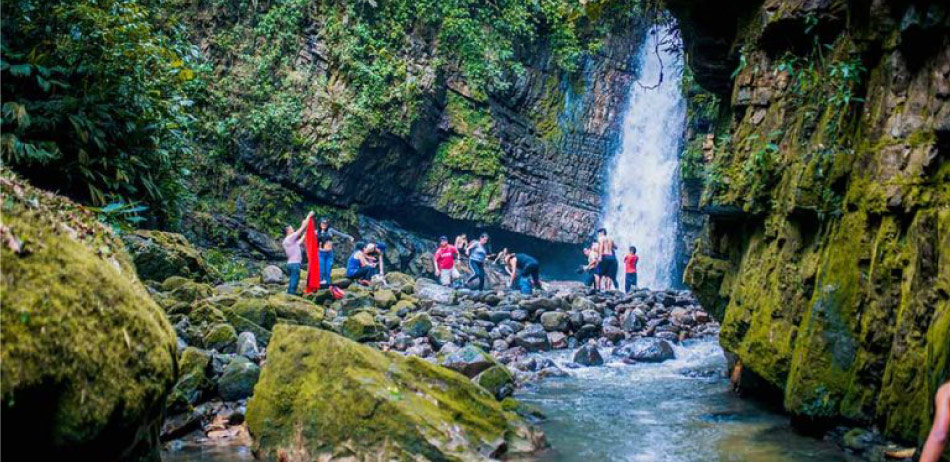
x=827, y=193
x=497, y=114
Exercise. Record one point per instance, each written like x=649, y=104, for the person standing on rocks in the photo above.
x=291, y=244
x=477, y=254
x=461, y=242
x=608, y=260
x=592, y=270
x=325, y=235
x=630, y=267
x=522, y=265
x=940, y=431
x=359, y=267
x=444, y=260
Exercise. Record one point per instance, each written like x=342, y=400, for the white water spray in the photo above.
x=641, y=200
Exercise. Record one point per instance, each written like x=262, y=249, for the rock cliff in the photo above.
x=826, y=188
x=528, y=156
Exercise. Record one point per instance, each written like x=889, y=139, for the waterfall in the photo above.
x=642, y=203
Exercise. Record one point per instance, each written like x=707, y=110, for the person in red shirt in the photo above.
x=444, y=260
x=630, y=262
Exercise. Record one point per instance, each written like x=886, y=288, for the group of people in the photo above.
x=365, y=262
x=520, y=266
x=602, y=265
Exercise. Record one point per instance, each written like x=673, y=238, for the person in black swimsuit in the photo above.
x=325, y=236
x=522, y=265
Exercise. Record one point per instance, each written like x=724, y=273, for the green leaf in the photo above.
x=21, y=70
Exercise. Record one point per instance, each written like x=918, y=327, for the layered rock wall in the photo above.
x=827, y=191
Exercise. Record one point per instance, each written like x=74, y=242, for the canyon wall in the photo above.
x=527, y=157
x=825, y=184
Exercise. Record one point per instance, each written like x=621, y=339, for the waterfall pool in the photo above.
x=681, y=410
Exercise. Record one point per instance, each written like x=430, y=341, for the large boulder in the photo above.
x=87, y=357
x=647, y=350
x=324, y=397
x=533, y=338
x=159, y=255
x=193, y=379
x=498, y=380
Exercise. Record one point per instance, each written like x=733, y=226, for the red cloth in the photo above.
x=446, y=256
x=313, y=260
x=631, y=262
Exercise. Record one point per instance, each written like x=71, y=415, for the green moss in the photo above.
x=322, y=394
x=159, y=255
x=86, y=356
x=361, y=327
x=220, y=337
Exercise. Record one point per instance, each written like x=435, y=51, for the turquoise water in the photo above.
x=678, y=411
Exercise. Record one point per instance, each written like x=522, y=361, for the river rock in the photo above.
x=649, y=350
x=272, y=274
x=588, y=355
x=428, y=289
x=440, y=335
x=193, y=380
x=247, y=346
x=555, y=321
x=468, y=360
x=404, y=408
x=558, y=340
x=238, y=379
x=418, y=325
x=384, y=299
x=497, y=380
x=362, y=327
x=533, y=338
x=220, y=337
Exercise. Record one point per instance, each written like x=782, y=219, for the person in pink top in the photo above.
x=291, y=244
x=444, y=260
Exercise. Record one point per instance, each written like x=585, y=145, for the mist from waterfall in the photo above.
x=642, y=203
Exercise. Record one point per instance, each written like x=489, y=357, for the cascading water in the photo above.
x=641, y=200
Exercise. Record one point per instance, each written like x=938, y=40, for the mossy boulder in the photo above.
x=362, y=327
x=418, y=325
x=469, y=360
x=296, y=310
x=323, y=397
x=220, y=337
x=87, y=357
x=403, y=307
x=193, y=379
x=159, y=255
x=440, y=335
x=238, y=379
x=384, y=298
x=186, y=290
x=257, y=310
x=498, y=380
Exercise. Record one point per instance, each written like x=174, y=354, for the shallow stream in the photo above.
x=678, y=411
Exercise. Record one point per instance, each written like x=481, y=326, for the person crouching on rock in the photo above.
x=444, y=260
x=291, y=244
x=374, y=251
x=522, y=265
x=630, y=267
x=359, y=267
x=325, y=236
x=477, y=254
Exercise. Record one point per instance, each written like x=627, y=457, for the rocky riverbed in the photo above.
x=224, y=334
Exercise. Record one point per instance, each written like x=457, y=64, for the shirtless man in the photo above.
x=937, y=441
x=608, y=260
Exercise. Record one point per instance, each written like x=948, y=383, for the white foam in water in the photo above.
x=641, y=199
